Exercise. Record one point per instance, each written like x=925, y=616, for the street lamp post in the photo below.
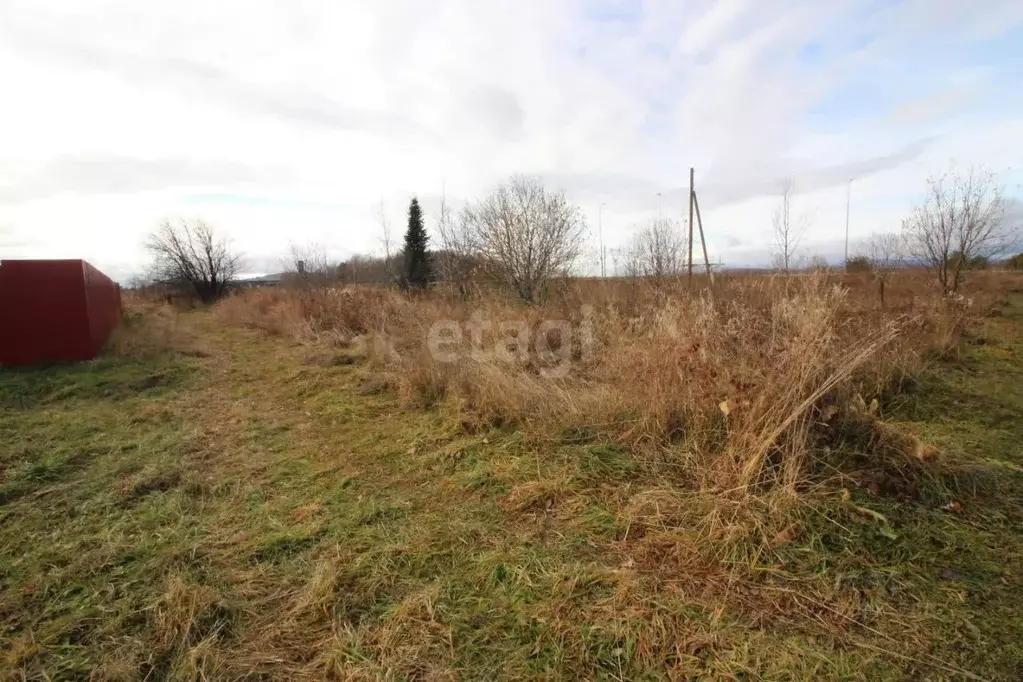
x=848, y=198
x=600, y=236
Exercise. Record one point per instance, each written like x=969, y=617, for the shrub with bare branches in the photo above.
x=657, y=250
x=961, y=219
x=456, y=262
x=192, y=256
x=885, y=252
x=525, y=235
x=308, y=266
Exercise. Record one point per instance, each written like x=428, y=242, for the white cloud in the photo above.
x=290, y=121
x=111, y=174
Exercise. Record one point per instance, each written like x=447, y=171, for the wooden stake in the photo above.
x=703, y=242
x=692, y=196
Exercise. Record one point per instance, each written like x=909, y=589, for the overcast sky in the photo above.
x=289, y=122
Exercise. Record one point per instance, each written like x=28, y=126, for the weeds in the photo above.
x=727, y=389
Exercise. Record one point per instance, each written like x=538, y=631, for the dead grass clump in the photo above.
x=149, y=329
x=135, y=488
x=410, y=637
x=331, y=314
x=532, y=496
x=188, y=622
x=709, y=528
x=271, y=310
x=320, y=591
x=739, y=376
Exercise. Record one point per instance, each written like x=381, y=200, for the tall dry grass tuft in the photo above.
x=150, y=328
x=188, y=622
x=311, y=313
x=272, y=310
x=740, y=377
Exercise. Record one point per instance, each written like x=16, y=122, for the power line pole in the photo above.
x=703, y=241
x=692, y=193
x=600, y=236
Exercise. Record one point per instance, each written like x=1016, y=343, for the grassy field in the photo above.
x=249, y=505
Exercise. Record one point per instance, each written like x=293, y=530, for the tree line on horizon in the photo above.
x=523, y=235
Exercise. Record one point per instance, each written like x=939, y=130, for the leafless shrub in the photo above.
x=960, y=220
x=657, y=250
x=309, y=266
x=457, y=262
x=525, y=235
x=819, y=263
x=190, y=255
x=885, y=253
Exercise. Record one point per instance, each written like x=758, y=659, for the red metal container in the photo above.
x=54, y=311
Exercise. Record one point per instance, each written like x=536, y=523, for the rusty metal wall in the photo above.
x=54, y=311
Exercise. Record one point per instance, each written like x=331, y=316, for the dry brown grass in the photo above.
x=151, y=327
x=727, y=388
x=730, y=388
x=311, y=313
x=729, y=394
x=259, y=511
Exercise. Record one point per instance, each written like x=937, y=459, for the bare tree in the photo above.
x=886, y=253
x=961, y=219
x=788, y=229
x=308, y=265
x=456, y=262
x=657, y=250
x=190, y=255
x=139, y=282
x=385, y=227
x=525, y=235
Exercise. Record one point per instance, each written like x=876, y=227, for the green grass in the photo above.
x=254, y=511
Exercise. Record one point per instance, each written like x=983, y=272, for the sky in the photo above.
x=301, y=122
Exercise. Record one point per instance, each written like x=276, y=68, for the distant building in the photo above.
x=270, y=280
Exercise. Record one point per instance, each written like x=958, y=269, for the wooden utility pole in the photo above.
x=703, y=242
x=692, y=196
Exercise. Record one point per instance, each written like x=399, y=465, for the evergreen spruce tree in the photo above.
x=416, y=258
